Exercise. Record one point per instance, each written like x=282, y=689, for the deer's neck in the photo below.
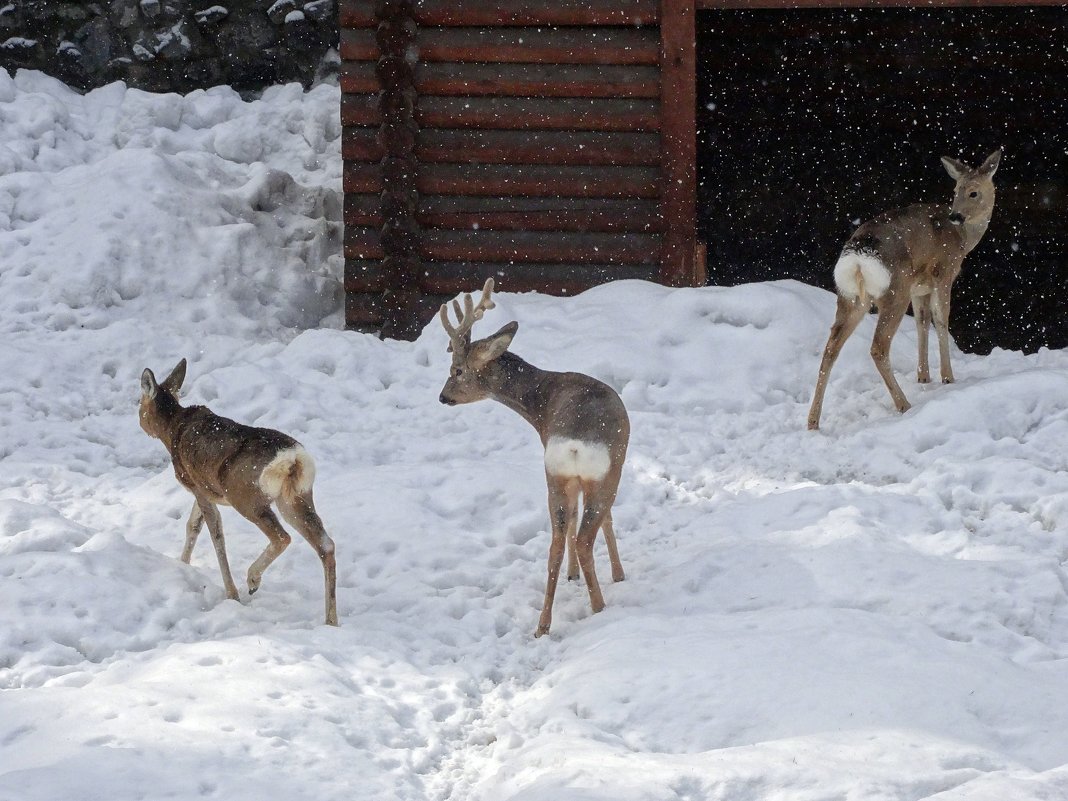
x=974, y=230
x=521, y=387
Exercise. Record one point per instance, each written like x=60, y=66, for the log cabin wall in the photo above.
x=549, y=144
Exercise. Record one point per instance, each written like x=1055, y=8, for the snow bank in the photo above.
x=876, y=611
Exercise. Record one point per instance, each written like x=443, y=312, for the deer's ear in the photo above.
x=173, y=382
x=955, y=168
x=149, y=387
x=486, y=350
x=990, y=166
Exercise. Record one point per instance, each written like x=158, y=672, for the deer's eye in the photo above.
x=973, y=194
x=458, y=371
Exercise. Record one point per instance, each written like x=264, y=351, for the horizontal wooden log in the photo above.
x=514, y=180
x=450, y=278
x=489, y=13
x=514, y=80
x=538, y=80
x=365, y=275
x=580, y=148
x=540, y=214
x=363, y=210
x=538, y=113
x=541, y=46
x=538, y=181
x=364, y=311
x=359, y=45
x=364, y=244
x=514, y=113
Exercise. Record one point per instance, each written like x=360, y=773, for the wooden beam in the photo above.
x=515, y=113
x=678, y=137
x=451, y=278
x=491, y=13
x=537, y=46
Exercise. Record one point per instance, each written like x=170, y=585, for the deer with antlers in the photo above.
x=583, y=427
x=911, y=255
x=223, y=462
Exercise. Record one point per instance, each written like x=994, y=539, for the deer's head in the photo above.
x=472, y=362
x=159, y=400
x=973, y=197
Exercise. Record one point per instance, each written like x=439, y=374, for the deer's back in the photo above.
x=583, y=408
x=213, y=453
x=916, y=239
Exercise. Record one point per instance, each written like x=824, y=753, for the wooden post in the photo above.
x=678, y=142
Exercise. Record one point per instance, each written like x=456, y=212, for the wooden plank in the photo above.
x=363, y=245
x=516, y=80
x=360, y=110
x=540, y=214
x=363, y=210
x=547, y=247
x=364, y=311
x=450, y=278
x=678, y=139
x=514, y=180
x=490, y=13
x=578, y=148
x=359, y=45
x=535, y=46
x=536, y=113
x=538, y=181
x=365, y=275
x=512, y=147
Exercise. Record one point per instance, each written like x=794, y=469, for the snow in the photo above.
x=875, y=611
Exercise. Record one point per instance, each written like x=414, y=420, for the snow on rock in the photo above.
x=877, y=611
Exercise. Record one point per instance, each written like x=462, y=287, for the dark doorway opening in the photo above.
x=811, y=121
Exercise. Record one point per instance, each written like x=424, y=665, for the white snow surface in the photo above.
x=876, y=611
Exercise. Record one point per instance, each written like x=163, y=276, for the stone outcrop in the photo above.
x=171, y=45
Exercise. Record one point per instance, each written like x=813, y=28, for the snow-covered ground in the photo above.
x=877, y=611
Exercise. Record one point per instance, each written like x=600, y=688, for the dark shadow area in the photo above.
x=812, y=121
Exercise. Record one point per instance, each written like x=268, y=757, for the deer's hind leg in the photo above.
x=892, y=308
x=259, y=512
x=572, y=490
x=192, y=531
x=847, y=317
x=613, y=551
x=940, y=303
x=299, y=512
x=597, y=500
x=562, y=510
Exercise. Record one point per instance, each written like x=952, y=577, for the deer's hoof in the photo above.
x=923, y=379
x=573, y=578
x=621, y=576
x=541, y=630
x=947, y=380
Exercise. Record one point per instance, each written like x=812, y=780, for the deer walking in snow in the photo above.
x=583, y=427
x=910, y=255
x=223, y=462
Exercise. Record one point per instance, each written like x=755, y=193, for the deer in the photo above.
x=223, y=462
x=583, y=427
x=908, y=256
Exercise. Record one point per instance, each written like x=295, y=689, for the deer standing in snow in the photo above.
x=583, y=427
x=910, y=255
x=223, y=462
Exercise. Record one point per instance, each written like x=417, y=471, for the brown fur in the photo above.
x=566, y=405
x=923, y=248
x=221, y=461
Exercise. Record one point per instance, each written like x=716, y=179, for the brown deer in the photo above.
x=583, y=427
x=223, y=462
x=910, y=255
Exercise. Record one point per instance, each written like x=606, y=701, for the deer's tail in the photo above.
x=289, y=474
x=861, y=275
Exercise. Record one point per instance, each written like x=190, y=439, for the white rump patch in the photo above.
x=857, y=274
x=291, y=462
x=573, y=457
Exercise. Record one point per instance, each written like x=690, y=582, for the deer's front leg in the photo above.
x=921, y=310
x=940, y=312
x=214, y=521
x=192, y=531
x=558, y=516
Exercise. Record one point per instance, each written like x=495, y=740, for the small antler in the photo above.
x=466, y=318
